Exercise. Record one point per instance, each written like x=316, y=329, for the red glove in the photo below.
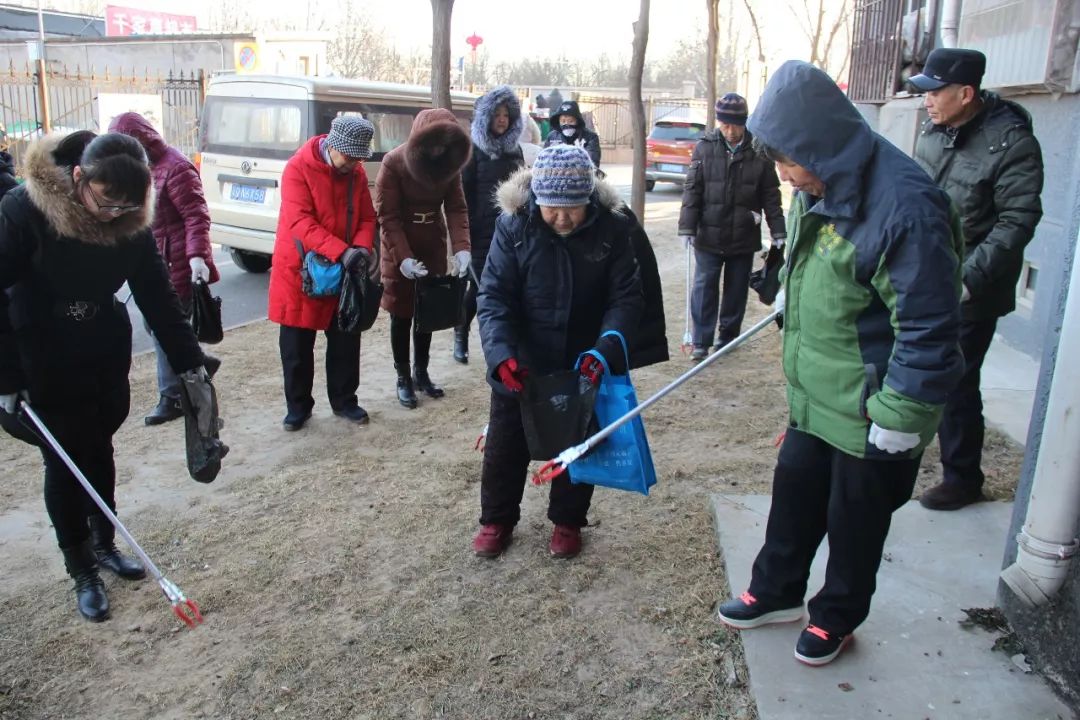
x=591, y=369
x=511, y=375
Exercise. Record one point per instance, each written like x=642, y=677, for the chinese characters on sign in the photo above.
x=133, y=21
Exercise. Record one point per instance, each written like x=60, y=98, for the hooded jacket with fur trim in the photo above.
x=419, y=201
x=181, y=218
x=544, y=299
x=494, y=159
x=64, y=336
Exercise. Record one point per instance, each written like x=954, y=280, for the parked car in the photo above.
x=252, y=124
x=668, y=149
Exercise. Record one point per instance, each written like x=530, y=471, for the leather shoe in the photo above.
x=405, y=393
x=90, y=595
x=461, y=345
x=167, y=409
x=423, y=383
x=950, y=496
x=354, y=414
x=295, y=421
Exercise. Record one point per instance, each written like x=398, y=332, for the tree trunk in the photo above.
x=441, y=11
x=711, y=44
x=637, y=110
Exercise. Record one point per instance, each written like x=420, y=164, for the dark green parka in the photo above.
x=992, y=169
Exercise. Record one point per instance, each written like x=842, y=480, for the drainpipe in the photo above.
x=950, y=22
x=1047, y=543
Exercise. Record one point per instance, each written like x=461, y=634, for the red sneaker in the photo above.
x=565, y=541
x=492, y=540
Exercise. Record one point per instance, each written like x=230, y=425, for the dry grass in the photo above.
x=334, y=571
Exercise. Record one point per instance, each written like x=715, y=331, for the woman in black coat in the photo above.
x=496, y=128
x=77, y=230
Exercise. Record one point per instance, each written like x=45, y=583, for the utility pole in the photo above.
x=42, y=83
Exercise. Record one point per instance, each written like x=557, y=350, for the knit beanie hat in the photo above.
x=351, y=136
x=562, y=176
x=731, y=109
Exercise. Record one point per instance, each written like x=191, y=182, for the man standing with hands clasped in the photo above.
x=980, y=149
x=871, y=327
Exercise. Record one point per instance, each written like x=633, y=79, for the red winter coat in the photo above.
x=314, y=203
x=181, y=219
x=421, y=201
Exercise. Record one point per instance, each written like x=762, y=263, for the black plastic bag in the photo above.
x=198, y=399
x=556, y=411
x=206, y=314
x=358, y=305
x=439, y=303
x=766, y=280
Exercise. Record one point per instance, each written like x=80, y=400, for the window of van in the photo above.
x=273, y=129
x=392, y=123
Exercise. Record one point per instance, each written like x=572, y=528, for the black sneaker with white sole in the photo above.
x=745, y=612
x=820, y=647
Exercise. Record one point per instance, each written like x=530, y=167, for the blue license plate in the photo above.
x=669, y=167
x=248, y=194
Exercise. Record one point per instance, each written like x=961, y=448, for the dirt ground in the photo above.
x=333, y=565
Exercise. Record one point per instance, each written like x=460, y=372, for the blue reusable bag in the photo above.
x=623, y=461
x=320, y=277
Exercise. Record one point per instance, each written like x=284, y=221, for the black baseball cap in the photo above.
x=950, y=66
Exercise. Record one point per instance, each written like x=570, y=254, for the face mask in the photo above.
x=569, y=130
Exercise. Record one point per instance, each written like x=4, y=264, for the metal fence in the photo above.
x=611, y=115
x=875, y=50
x=74, y=103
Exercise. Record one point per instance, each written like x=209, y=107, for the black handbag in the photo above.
x=438, y=302
x=206, y=314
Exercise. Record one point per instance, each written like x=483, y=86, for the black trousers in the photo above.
x=962, y=426
x=399, y=345
x=819, y=491
x=706, y=295
x=506, y=464
x=297, y=347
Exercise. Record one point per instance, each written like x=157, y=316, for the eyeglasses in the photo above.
x=114, y=210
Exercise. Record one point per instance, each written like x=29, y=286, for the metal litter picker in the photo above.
x=555, y=467
x=687, y=338
x=185, y=609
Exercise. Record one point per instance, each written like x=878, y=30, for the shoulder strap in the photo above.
x=349, y=209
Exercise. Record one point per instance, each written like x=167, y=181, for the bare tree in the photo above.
x=359, y=48
x=712, y=42
x=637, y=110
x=441, y=12
x=757, y=30
x=824, y=23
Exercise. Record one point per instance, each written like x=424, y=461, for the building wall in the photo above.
x=151, y=56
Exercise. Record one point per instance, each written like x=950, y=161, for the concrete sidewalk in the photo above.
x=911, y=658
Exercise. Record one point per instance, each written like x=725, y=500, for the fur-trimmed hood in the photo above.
x=433, y=128
x=515, y=193
x=52, y=191
x=483, y=114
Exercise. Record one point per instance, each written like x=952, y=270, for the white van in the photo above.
x=252, y=124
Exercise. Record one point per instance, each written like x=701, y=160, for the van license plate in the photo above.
x=248, y=194
x=669, y=167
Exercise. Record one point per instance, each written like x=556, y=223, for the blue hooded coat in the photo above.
x=872, y=285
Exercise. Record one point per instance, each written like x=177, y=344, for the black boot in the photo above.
x=90, y=594
x=167, y=409
x=423, y=383
x=405, y=393
x=103, y=535
x=461, y=344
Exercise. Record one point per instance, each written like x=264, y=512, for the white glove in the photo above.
x=413, y=269
x=580, y=142
x=757, y=217
x=965, y=295
x=462, y=258
x=199, y=270
x=688, y=240
x=10, y=403
x=778, y=242
x=778, y=303
x=891, y=441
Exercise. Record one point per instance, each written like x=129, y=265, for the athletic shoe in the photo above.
x=820, y=647
x=746, y=612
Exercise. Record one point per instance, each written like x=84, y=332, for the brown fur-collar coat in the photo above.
x=419, y=201
x=52, y=191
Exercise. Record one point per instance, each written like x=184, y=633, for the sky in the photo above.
x=576, y=29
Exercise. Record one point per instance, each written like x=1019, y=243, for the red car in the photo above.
x=667, y=150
